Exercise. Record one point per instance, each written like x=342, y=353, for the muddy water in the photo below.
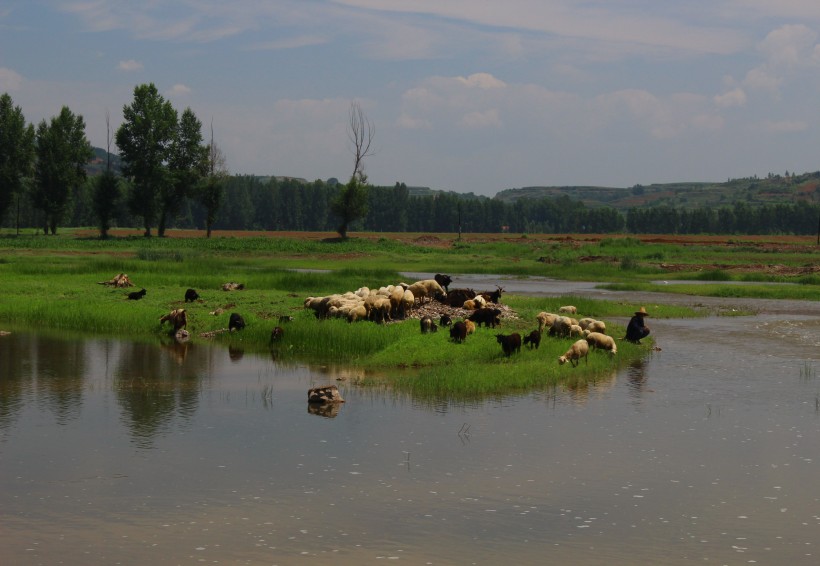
x=707, y=452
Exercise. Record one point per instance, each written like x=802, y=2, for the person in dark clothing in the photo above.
x=637, y=328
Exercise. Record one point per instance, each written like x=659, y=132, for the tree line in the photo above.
x=172, y=178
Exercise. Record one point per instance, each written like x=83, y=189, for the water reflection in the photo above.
x=636, y=378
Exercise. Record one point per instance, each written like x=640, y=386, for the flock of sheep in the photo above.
x=394, y=302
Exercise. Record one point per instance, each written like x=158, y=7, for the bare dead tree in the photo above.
x=361, y=135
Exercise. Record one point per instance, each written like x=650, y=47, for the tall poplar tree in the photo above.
x=144, y=140
x=16, y=151
x=62, y=151
x=187, y=165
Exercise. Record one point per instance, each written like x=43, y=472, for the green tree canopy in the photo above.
x=16, y=151
x=62, y=154
x=144, y=140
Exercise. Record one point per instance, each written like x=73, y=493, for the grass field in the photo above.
x=53, y=282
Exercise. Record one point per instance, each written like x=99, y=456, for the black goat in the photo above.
x=456, y=297
x=486, y=316
x=509, y=343
x=276, y=334
x=445, y=320
x=494, y=296
x=236, y=322
x=458, y=333
x=136, y=295
x=427, y=325
x=444, y=281
x=533, y=339
x=191, y=295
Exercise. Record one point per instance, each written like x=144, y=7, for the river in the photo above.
x=708, y=451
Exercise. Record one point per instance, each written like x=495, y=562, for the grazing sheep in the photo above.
x=577, y=351
x=486, y=316
x=509, y=343
x=427, y=289
x=191, y=295
x=233, y=286
x=408, y=301
x=276, y=334
x=396, y=304
x=568, y=309
x=359, y=312
x=575, y=330
x=584, y=322
x=533, y=339
x=445, y=320
x=379, y=309
x=236, y=322
x=177, y=317
x=545, y=319
x=470, y=326
x=458, y=332
x=598, y=340
x=444, y=281
x=136, y=295
x=560, y=327
x=427, y=325
x=597, y=326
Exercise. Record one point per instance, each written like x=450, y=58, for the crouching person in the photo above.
x=637, y=328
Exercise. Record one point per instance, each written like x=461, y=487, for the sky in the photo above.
x=462, y=95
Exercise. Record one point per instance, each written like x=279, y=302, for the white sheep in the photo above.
x=597, y=326
x=598, y=340
x=560, y=327
x=578, y=350
x=575, y=330
x=480, y=302
x=427, y=288
x=584, y=322
x=545, y=319
x=568, y=309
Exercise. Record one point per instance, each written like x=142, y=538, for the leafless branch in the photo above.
x=361, y=136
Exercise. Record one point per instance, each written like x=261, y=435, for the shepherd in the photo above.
x=637, y=328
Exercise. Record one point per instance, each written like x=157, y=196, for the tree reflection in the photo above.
x=156, y=385
x=15, y=373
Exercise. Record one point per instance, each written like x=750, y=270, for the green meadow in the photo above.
x=53, y=283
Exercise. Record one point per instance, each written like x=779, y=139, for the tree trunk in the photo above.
x=161, y=225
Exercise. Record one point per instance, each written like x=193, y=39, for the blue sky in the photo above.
x=464, y=95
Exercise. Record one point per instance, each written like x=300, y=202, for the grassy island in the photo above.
x=54, y=283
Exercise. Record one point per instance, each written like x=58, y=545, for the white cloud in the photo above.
x=789, y=46
x=761, y=78
x=483, y=119
x=10, y=80
x=784, y=126
x=735, y=97
x=179, y=90
x=288, y=43
x=129, y=65
x=481, y=80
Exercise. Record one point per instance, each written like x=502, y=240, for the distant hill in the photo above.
x=753, y=191
x=98, y=162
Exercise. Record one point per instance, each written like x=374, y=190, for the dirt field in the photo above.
x=447, y=239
